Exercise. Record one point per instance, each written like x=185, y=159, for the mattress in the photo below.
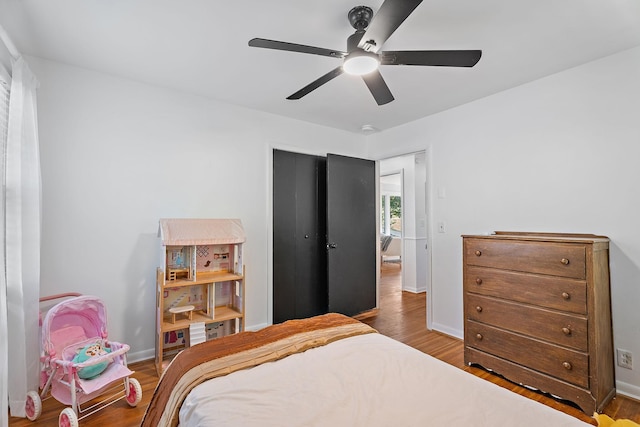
x=363, y=380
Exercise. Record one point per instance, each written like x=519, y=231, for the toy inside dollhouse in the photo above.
x=178, y=263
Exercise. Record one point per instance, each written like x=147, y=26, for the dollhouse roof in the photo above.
x=199, y=231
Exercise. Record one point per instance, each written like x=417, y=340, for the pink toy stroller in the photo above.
x=72, y=328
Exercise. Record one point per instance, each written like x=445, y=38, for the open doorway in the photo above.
x=390, y=202
x=391, y=219
x=403, y=222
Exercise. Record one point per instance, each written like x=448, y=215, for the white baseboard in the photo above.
x=628, y=390
x=414, y=290
x=447, y=330
x=140, y=356
x=256, y=327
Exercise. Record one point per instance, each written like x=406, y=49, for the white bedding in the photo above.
x=367, y=380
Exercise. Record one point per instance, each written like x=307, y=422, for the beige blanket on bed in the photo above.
x=247, y=349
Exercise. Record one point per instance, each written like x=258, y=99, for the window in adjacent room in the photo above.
x=391, y=205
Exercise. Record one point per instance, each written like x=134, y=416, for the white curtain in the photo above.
x=5, y=84
x=21, y=240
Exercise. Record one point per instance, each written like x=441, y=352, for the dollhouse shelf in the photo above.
x=204, y=278
x=222, y=313
x=200, y=286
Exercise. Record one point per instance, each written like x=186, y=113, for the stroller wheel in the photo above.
x=33, y=407
x=134, y=394
x=68, y=418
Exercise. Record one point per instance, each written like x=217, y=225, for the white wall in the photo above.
x=560, y=154
x=118, y=155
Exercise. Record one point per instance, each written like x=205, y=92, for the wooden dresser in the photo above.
x=537, y=310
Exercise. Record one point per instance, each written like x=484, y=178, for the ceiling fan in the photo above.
x=363, y=55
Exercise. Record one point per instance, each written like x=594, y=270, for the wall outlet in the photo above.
x=625, y=358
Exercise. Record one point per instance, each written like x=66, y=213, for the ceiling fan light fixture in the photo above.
x=359, y=63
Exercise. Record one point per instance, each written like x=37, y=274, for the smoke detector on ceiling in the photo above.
x=367, y=129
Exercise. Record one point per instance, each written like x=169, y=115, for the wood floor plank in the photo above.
x=402, y=316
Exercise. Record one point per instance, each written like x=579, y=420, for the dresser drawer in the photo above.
x=557, y=328
x=568, y=365
x=546, y=291
x=556, y=259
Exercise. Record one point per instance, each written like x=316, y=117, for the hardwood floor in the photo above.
x=402, y=316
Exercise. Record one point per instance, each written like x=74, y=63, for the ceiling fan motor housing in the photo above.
x=360, y=16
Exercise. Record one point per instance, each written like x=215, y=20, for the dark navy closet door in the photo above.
x=299, y=233
x=351, y=234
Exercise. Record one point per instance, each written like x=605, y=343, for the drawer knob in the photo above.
x=478, y=253
x=567, y=366
x=478, y=281
x=565, y=295
x=479, y=309
x=565, y=261
x=566, y=331
x=479, y=336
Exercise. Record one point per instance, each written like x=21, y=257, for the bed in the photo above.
x=330, y=370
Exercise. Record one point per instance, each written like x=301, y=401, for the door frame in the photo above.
x=429, y=194
x=428, y=151
x=269, y=183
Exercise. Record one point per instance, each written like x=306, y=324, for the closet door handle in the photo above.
x=331, y=246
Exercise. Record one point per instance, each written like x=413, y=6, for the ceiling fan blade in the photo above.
x=293, y=47
x=317, y=83
x=391, y=14
x=378, y=87
x=442, y=58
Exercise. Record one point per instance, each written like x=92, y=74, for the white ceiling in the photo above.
x=200, y=46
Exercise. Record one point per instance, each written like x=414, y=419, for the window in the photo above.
x=391, y=208
x=391, y=212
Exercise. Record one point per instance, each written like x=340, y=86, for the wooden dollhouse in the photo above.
x=200, y=284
